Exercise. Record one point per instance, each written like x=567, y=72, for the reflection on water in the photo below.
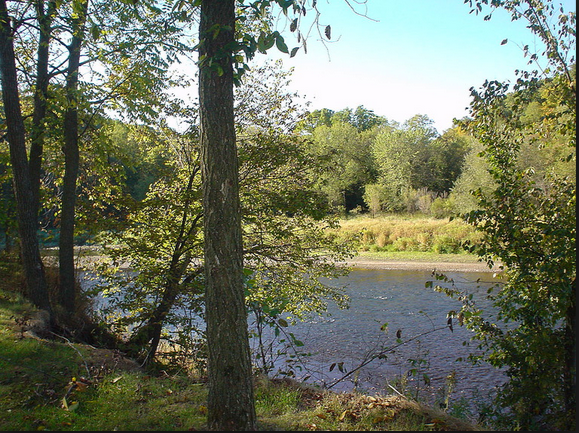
x=400, y=299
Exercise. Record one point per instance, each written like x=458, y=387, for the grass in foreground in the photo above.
x=54, y=384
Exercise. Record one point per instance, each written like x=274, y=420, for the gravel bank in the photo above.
x=442, y=266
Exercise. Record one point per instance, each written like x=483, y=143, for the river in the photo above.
x=399, y=298
x=340, y=341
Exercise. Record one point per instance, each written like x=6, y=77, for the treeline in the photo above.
x=361, y=162
x=375, y=165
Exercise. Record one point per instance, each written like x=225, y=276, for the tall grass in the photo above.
x=406, y=233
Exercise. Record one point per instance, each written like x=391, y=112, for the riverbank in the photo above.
x=431, y=262
x=87, y=256
x=54, y=384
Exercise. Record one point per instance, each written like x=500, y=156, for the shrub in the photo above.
x=441, y=207
x=445, y=244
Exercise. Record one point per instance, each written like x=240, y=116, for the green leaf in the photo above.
x=281, y=45
x=294, y=25
x=95, y=32
x=328, y=32
x=294, y=51
x=269, y=41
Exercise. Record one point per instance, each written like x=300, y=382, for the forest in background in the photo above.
x=108, y=169
x=362, y=163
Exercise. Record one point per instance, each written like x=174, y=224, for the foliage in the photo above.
x=161, y=242
x=348, y=162
x=416, y=166
x=376, y=197
x=284, y=222
x=126, y=54
x=447, y=160
x=529, y=223
x=361, y=118
x=475, y=176
x=553, y=158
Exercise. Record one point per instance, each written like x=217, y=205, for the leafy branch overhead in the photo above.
x=255, y=32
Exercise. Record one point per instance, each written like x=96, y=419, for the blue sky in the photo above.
x=411, y=57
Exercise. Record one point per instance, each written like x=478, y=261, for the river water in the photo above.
x=339, y=342
x=421, y=365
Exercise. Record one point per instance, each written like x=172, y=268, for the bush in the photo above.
x=441, y=207
x=445, y=244
x=406, y=244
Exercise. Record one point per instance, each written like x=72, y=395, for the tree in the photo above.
x=361, y=118
x=221, y=64
x=68, y=37
x=230, y=401
x=316, y=118
x=474, y=176
x=25, y=200
x=403, y=157
x=529, y=225
x=349, y=162
x=376, y=197
x=283, y=222
x=448, y=158
x=45, y=17
x=67, y=290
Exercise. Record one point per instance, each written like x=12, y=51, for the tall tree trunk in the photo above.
x=27, y=219
x=570, y=372
x=67, y=289
x=44, y=19
x=230, y=400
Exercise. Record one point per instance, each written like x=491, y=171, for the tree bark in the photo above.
x=570, y=373
x=16, y=136
x=230, y=400
x=44, y=19
x=67, y=289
